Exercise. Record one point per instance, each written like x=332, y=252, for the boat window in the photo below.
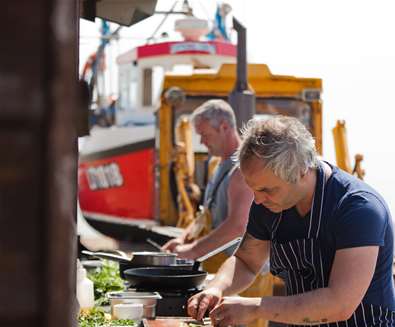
x=152, y=85
x=123, y=90
x=147, y=87
x=264, y=106
x=286, y=106
x=127, y=99
x=158, y=74
x=132, y=103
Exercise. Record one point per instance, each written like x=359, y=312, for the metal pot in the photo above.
x=141, y=259
x=137, y=259
x=154, y=258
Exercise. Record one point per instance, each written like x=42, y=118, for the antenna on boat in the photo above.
x=167, y=13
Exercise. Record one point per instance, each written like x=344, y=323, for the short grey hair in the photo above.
x=282, y=143
x=214, y=111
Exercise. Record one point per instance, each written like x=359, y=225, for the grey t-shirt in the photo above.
x=218, y=204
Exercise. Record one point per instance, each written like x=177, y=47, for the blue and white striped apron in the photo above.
x=299, y=264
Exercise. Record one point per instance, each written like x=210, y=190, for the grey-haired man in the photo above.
x=329, y=236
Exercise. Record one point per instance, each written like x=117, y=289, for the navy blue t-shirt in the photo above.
x=354, y=215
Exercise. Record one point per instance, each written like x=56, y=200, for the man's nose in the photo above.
x=260, y=198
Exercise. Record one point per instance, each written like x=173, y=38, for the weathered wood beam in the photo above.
x=38, y=162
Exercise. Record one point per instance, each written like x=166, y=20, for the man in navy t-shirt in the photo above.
x=329, y=237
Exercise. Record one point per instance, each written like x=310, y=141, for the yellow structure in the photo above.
x=342, y=153
x=275, y=94
x=188, y=191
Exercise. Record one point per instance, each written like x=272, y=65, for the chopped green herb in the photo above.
x=93, y=318
x=106, y=279
x=97, y=318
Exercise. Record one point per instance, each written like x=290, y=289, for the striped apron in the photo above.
x=299, y=263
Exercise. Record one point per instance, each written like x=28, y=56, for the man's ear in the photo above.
x=223, y=126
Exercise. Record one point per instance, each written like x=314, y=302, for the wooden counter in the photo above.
x=173, y=322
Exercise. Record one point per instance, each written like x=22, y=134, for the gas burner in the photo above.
x=173, y=302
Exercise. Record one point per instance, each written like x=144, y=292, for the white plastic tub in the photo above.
x=148, y=299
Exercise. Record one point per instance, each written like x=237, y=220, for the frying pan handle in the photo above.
x=121, y=253
x=108, y=256
x=199, y=260
x=155, y=245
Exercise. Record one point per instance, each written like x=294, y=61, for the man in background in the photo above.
x=227, y=196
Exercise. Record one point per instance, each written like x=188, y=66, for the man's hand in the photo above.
x=186, y=251
x=231, y=311
x=172, y=244
x=202, y=302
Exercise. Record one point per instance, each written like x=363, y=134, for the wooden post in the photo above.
x=38, y=163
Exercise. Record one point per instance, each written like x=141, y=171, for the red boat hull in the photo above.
x=120, y=184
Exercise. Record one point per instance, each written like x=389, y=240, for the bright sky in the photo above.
x=349, y=44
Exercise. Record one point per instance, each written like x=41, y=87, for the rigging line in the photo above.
x=99, y=56
x=204, y=9
x=162, y=22
x=93, y=37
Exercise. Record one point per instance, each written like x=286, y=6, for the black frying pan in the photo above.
x=180, y=264
x=164, y=278
x=172, y=277
x=142, y=260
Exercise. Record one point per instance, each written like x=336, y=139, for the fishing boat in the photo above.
x=129, y=180
x=117, y=173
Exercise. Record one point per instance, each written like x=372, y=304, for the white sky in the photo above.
x=350, y=44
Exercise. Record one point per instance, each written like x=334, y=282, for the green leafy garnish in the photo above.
x=92, y=318
x=96, y=317
x=106, y=279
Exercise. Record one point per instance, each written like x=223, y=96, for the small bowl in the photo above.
x=147, y=299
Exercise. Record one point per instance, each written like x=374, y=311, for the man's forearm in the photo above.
x=216, y=238
x=233, y=277
x=311, y=308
